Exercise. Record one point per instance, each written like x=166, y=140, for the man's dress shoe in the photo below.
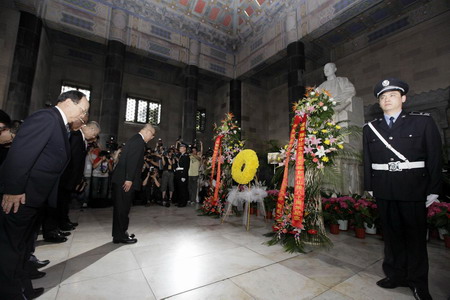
x=41, y=263
x=64, y=233
x=388, y=283
x=420, y=294
x=34, y=293
x=37, y=275
x=128, y=240
x=55, y=237
x=74, y=224
x=66, y=227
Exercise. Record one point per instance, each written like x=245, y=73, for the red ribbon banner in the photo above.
x=218, y=182
x=299, y=186
x=217, y=144
x=282, y=193
x=299, y=183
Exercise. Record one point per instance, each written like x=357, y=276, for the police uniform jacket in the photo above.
x=415, y=135
x=184, y=162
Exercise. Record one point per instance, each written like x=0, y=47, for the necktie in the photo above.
x=391, y=122
x=68, y=130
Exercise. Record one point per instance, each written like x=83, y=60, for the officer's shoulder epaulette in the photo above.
x=419, y=113
x=370, y=122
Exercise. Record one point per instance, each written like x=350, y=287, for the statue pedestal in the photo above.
x=350, y=169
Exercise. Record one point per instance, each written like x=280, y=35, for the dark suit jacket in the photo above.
x=74, y=171
x=130, y=163
x=418, y=139
x=37, y=158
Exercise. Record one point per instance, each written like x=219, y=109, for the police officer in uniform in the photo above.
x=182, y=175
x=404, y=180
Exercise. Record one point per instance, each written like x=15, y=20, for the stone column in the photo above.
x=296, y=67
x=23, y=66
x=112, y=84
x=236, y=100
x=296, y=62
x=188, y=133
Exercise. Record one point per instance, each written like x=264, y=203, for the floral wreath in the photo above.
x=244, y=166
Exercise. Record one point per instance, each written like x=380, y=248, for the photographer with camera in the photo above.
x=167, y=181
x=101, y=167
x=151, y=187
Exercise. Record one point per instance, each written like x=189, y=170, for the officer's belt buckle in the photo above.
x=394, y=166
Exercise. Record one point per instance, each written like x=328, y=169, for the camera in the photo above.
x=152, y=171
x=105, y=154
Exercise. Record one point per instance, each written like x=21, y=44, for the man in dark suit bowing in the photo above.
x=126, y=179
x=73, y=174
x=29, y=179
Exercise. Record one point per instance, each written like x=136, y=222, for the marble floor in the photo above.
x=181, y=255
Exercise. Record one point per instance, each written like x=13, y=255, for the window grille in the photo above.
x=68, y=87
x=143, y=111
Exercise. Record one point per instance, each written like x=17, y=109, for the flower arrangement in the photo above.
x=231, y=142
x=340, y=208
x=438, y=215
x=324, y=138
x=227, y=139
x=319, y=139
x=294, y=239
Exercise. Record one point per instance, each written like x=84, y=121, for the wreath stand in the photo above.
x=246, y=197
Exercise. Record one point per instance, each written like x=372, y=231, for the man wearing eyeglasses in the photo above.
x=29, y=179
x=402, y=168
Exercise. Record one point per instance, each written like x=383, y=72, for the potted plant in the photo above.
x=438, y=216
x=368, y=211
x=337, y=211
x=270, y=202
x=358, y=219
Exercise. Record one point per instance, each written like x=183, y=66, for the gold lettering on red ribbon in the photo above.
x=299, y=182
x=282, y=193
x=217, y=145
x=299, y=188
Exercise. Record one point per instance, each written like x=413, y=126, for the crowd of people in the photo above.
x=55, y=156
x=161, y=184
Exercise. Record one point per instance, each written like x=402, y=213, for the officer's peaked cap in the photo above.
x=390, y=84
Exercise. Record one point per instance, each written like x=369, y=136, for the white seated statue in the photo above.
x=349, y=111
x=341, y=89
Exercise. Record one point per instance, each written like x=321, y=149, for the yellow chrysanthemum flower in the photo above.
x=325, y=159
x=324, y=130
x=338, y=127
x=326, y=142
x=340, y=146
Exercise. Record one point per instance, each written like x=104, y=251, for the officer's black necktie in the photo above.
x=391, y=122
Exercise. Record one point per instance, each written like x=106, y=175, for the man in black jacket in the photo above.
x=29, y=179
x=182, y=176
x=126, y=179
x=404, y=179
x=73, y=174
